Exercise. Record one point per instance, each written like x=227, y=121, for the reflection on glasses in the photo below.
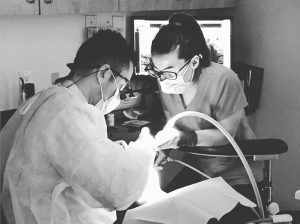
x=162, y=75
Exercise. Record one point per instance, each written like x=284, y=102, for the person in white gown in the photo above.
x=60, y=166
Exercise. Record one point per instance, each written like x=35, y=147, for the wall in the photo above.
x=267, y=35
x=41, y=44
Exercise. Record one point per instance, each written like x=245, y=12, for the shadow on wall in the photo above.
x=251, y=78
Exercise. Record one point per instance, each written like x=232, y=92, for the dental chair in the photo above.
x=265, y=150
x=258, y=149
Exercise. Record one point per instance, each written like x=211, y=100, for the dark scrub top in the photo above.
x=219, y=94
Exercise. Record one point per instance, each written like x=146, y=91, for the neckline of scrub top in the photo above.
x=181, y=107
x=73, y=89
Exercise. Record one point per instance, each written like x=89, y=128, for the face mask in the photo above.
x=177, y=86
x=107, y=106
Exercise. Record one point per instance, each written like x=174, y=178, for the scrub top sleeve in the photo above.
x=230, y=96
x=100, y=171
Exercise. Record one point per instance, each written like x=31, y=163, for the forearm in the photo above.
x=211, y=137
x=214, y=137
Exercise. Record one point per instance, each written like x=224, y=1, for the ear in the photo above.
x=195, y=62
x=103, y=73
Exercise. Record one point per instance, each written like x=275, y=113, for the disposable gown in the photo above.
x=62, y=168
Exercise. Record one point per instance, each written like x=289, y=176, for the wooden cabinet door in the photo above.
x=149, y=5
x=78, y=6
x=21, y=7
x=203, y=4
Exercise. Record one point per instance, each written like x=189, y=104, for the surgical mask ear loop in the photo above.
x=184, y=74
x=192, y=76
x=98, y=79
x=101, y=89
x=193, y=70
x=191, y=79
x=115, y=80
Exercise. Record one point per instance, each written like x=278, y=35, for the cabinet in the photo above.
x=151, y=5
x=202, y=4
x=78, y=6
x=45, y=7
x=23, y=7
x=112, y=20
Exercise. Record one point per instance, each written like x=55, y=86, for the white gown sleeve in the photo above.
x=100, y=171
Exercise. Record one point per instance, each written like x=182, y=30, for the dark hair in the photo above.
x=105, y=47
x=183, y=31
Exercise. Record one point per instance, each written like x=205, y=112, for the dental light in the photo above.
x=171, y=123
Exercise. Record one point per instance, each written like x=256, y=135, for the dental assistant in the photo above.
x=190, y=81
x=62, y=168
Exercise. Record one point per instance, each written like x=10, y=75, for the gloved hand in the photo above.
x=173, y=138
x=122, y=143
x=161, y=159
x=146, y=140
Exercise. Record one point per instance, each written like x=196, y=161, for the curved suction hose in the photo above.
x=171, y=123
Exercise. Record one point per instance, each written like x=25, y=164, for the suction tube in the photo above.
x=187, y=165
x=171, y=123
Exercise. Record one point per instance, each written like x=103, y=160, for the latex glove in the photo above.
x=173, y=138
x=122, y=143
x=160, y=160
x=167, y=138
x=152, y=190
x=146, y=140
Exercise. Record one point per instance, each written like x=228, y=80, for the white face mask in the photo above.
x=177, y=86
x=107, y=106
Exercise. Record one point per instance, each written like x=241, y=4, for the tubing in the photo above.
x=171, y=123
x=169, y=159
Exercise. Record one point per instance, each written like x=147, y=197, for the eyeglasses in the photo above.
x=125, y=79
x=162, y=75
x=113, y=71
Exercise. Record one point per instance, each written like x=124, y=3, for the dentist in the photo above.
x=61, y=167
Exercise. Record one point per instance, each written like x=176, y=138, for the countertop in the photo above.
x=129, y=133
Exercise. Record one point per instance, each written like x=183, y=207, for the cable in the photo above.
x=189, y=166
x=85, y=75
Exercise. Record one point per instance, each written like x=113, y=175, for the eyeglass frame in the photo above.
x=102, y=70
x=126, y=80
x=147, y=69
